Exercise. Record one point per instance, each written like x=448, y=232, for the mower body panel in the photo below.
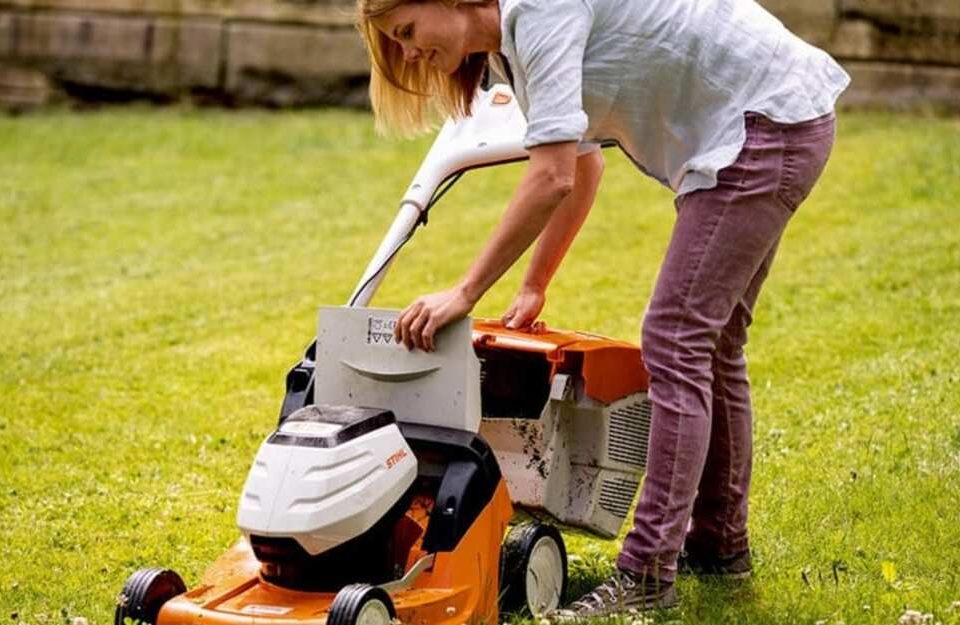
x=567, y=414
x=568, y=417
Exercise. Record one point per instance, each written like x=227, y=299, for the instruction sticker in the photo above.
x=380, y=331
x=271, y=610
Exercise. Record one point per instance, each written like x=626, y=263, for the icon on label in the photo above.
x=380, y=331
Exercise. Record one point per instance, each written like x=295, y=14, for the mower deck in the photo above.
x=456, y=589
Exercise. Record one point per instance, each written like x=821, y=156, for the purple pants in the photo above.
x=723, y=243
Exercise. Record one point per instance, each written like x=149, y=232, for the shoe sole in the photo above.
x=730, y=576
x=669, y=601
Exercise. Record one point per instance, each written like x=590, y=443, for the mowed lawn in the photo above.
x=160, y=270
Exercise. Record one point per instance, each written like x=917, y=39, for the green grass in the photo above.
x=160, y=270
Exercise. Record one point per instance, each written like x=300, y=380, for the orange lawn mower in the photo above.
x=387, y=489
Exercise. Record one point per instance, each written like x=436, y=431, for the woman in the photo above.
x=713, y=98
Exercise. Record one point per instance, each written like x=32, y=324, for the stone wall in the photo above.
x=901, y=53
x=261, y=51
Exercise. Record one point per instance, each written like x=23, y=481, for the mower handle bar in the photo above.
x=491, y=136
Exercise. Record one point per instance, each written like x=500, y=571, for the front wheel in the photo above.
x=361, y=604
x=533, y=569
x=145, y=593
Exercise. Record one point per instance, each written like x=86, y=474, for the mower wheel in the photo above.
x=361, y=604
x=533, y=569
x=145, y=593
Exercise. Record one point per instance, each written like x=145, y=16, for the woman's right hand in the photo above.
x=525, y=308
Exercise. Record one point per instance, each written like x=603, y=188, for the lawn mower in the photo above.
x=387, y=488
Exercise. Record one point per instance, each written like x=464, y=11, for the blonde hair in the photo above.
x=409, y=98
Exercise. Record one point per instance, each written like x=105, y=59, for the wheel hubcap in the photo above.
x=373, y=612
x=544, y=576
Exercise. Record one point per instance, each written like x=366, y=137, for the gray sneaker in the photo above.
x=621, y=593
x=737, y=566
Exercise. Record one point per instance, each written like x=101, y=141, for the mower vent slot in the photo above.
x=616, y=496
x=630, y=433
x=513, y=385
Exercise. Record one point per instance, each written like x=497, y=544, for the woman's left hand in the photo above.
x=525, y=308
x=420, y=320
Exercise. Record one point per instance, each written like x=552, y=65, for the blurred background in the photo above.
x=902, y=54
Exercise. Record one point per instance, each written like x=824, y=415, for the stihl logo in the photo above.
x=396, y=458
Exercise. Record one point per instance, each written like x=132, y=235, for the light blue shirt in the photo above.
x=668, y=80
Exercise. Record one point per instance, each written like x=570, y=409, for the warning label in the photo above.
x=272, y=610
x=380, y=331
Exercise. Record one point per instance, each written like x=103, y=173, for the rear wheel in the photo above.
x=361, y=604
x=145, y=593
x=533, y=569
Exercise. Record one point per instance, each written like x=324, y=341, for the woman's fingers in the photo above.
x=520, y=321
x=420, y=321
x=417, y=326
x=524, y=310
x=402, y=330
x=398, y=329
x=513, y=321
x=429, y=330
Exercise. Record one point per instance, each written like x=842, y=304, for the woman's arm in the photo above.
x=549, y=180
x=562, y=228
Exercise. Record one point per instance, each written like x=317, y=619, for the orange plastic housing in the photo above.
x=610, y=368
x=460, y=588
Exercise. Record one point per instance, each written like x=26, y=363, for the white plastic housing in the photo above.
x=581, y=461
x=359, y=363
x=322, y=497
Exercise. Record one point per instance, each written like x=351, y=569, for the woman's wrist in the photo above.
x=533, y=285
x=470, y=292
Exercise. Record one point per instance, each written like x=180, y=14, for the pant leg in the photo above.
x=719, y=518
x=720, y=241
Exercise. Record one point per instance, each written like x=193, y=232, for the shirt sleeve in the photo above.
x=550, y=38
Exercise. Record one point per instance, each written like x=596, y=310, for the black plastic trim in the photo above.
x=365, y=558
x=299, y=383
x=370, y=419
x=470, y=478
x=513, y=384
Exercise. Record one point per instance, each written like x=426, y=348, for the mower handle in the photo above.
x=492, y=135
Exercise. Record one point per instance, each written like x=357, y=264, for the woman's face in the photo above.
x=432, y=32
